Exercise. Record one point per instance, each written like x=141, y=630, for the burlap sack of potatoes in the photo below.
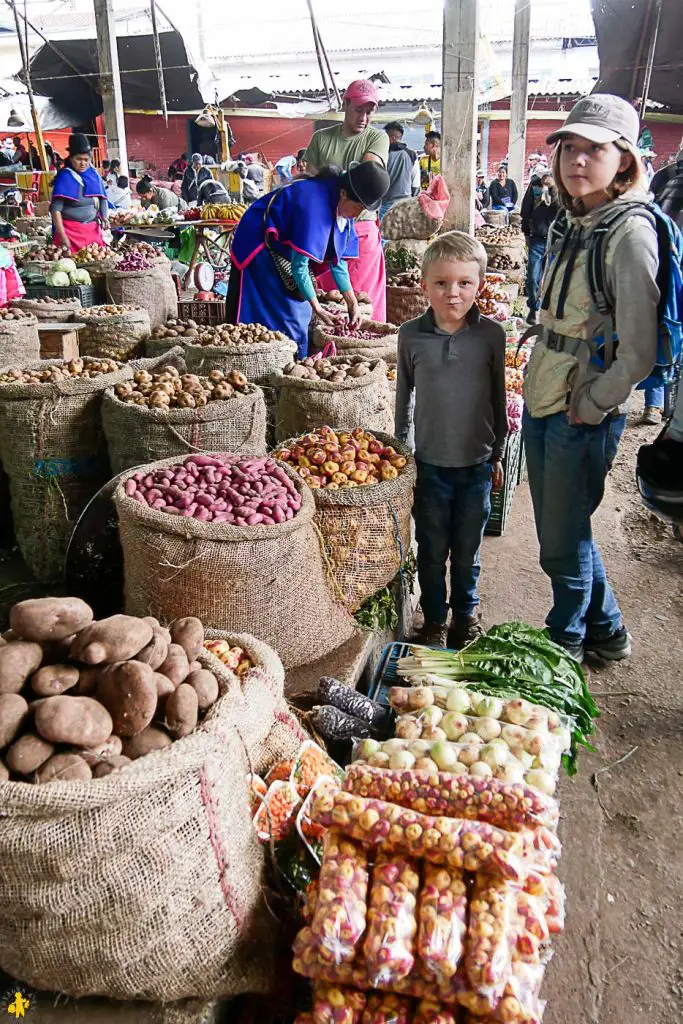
x=117, y=336
x=150, y=883
x=19, y=340
x=408, y=219
x=302, y=405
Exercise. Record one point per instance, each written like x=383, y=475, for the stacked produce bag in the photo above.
x=405, y=297
x=370, y=339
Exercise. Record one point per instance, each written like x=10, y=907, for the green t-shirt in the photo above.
x=329, y=146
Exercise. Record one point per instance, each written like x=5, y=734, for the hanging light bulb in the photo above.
x=14, y=121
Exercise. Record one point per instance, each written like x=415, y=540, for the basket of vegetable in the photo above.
x=232, y=541
x=371, y=339
x=114, y=332
x=19, y=338
x=140, y=746
x=157, y=415
x=363, y=488
x=252, y=349
x=53, y=450
x=344, y=391
x=140, y=282
x=55, y=311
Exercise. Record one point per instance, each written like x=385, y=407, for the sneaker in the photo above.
x=574, y=651
x=433, y=634
x=464, y=629
x=652, y=416
x=532, y=317
x=613, y=648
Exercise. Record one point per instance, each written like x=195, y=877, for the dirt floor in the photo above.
x=620, y=960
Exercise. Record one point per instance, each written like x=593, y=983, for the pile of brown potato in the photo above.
x=169, y=390
x=179, y=329
x=80, y=699
x=55, y=373
x=336, y=371
x=104, y=311
x=15, y=313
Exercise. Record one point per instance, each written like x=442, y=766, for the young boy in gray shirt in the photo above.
x=451, y=361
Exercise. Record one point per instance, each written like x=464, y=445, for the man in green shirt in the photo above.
x=354, y=141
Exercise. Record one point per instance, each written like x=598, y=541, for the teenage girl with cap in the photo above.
x=310, y=220
x=575, y=381
x=79, y=206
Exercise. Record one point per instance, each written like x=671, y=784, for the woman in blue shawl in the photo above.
x=309, y=220
x=79, y=206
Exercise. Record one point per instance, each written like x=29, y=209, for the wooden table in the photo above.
x=58, y=341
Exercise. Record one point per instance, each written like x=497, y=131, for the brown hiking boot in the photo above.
x=464, y=629
x=433, y=634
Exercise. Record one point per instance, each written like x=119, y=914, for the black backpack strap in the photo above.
x=566, y=280
x=597, y=252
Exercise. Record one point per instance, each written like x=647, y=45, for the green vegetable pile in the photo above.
x=516, y=660
x=399, y=260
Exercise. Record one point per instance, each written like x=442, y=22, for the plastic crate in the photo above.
x=501, y=501
x=385, y=676
x=207, y=314
x=87, y=293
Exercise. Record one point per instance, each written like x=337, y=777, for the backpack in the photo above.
x=669, y=282
x=671, y=196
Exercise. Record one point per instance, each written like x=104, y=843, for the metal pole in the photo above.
x=459, y=109
x=110, y=82
x=316, y=43
x=650, y=59
x=520, y=92
x=157, y=59
x=40, y=142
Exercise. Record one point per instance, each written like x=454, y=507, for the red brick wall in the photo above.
x=274, y=136
x=155, y=143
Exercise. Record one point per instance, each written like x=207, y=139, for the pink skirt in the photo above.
x=80, y=235
x=367, y=272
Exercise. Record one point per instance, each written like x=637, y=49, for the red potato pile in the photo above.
x=220, y=489
x=337, y=460
x=133, y=262
x=80, y=699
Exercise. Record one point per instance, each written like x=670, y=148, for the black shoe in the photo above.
x=613, y=648
x=532, y=317
x=661, y=467
x=464, y=629
x=433, y=634
x=574, y=651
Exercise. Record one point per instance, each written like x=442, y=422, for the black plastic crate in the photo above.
x=384, y=676
x=87, y=293
x=501, y=501
x=207, y=314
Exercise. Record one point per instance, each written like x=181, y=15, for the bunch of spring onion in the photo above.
x=512, y=660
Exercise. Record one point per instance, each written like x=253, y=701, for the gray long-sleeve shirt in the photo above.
x=458, y=381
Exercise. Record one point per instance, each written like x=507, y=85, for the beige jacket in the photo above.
x=558, y=381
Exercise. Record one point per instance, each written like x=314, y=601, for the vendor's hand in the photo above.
x=105, y=224
x=63, y=240
x=498, y=476
x=353, y=310
x=322, y=314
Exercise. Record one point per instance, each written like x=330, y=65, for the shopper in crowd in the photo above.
x=212, y=192
x=35, y=159
x=178, y=167
x=481, y=192
x=666, y=174
x=533, y=160
x=106, y=164
x=403, y=168
x=79, y=206
x=194, y=175
x=451, y=360
x=256, y=173
x=430, y=162
x=119, y=194
x=540, y=207
x=353, y=141
x=301, y=164
x=503, y=191
x=285, y=168
x=150, y=194
x=21, y=154
x=114, y=172
x=310, y=219
x=574, y=381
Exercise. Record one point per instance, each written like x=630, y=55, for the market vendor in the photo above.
x=79, y=206
x=195, y=174
x=211, y=191
x=310, y=219
x=155, y=195
x=341, y=145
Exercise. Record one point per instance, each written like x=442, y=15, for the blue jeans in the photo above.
x=533, y=272
x=615, y=430
x=567, y=467
x=451, y=509
x=654, y=398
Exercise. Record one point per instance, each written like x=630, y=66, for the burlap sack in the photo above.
x=515, y=249
x=54, y=313
x=256, y=361
x=118, y=336
x=497, y=218
x=157, y=346
x=303, y=405
x=405, y=304
x=409, y=219
x=382, y=346
x=136, y=434
x=147, y=288
x=19, y=341
x=366, y=531
x=267, y=580
x=148, y=884
x=54, y=452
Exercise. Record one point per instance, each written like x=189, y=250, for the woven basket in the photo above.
x=405, y=304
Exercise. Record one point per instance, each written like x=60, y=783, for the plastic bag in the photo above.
x=257, y=791
x=387, y=1008
x=311, y=763
x=335, y=1005
x=512, y=806
x=435, y=199
x=276, y=814
x=428, y=1012
x=389, y=946
x=442, y=921
x=555, y=898
x=490, y=938
x=340, y=914
x=472, y=845
x=532, y=928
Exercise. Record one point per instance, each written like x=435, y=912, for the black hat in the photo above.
x=370, y=182
x=79, y=143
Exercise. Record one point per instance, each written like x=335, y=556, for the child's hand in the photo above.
x=498, y=478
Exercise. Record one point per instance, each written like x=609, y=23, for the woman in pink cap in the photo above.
x=354, y=141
